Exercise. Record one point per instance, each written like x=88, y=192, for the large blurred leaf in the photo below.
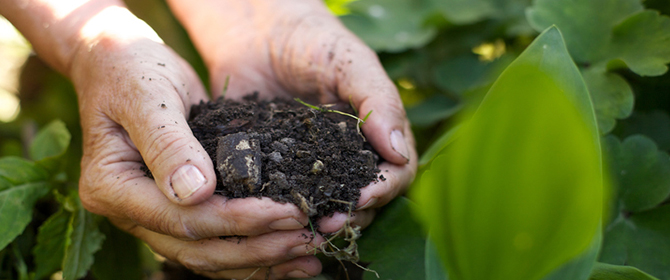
x=50, y=247
x=84, y=239
x=519, y=192
x=641, y=240
x=390, y=25
x=434, y=266
x=603, y=271
x=586, y=25
x=642, y=172
x=394, y=244
x=580, y=267
x=21, y=184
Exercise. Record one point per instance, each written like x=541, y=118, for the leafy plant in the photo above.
x=449, y=58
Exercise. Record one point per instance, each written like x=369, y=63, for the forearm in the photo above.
x=58, y=30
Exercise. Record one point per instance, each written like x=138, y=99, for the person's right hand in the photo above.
x=134, y=94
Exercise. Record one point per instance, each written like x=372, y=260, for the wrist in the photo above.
x=106, y=39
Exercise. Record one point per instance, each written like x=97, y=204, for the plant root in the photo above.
x=350, y=234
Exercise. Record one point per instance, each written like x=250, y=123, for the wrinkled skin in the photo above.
x=135, y=93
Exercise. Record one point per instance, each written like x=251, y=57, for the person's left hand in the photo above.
x=298, y=48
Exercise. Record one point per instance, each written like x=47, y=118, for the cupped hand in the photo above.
x=134, y=94
x=297, y=48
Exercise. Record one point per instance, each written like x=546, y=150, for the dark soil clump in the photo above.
x=286, y=151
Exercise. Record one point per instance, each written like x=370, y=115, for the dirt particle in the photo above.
x=381, y=177
x=163, y=106
x=161, y=64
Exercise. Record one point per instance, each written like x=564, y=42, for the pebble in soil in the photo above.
x=286, y=151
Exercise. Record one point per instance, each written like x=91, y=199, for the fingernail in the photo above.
x=370, y=203
x=186, y=181
x=399, y=145
x=301, y=250
x=298, y=274
x=286, y=224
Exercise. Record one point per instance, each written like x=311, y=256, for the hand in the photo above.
x=134, y=94
x=296, y=47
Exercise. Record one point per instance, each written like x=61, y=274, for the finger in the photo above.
x=363, y=80
x=112, y=185
x=396, y=180
x=301, y=267
x=217, y=216
x=153, y=115
x=361, y=218
x=216, y=254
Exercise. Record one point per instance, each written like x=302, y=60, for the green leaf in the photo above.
x=586, y=25
x=390, y=25
x=394, y=244
x=612, y=97
x=603, y=271
x=642, y=41
x=432, y=110
x=50, y=247
x=447, y=138
x=462, y=12
x=580, y=267
x=84, y=239
x=119, y=257
x=520, y=191
x=640, y=240
x=654, y=124
x=641, y=172
x=17, y=171
x=434, y=268
x=16, y=208
x=51, y=141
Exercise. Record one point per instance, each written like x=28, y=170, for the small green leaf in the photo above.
x=612, y=97
x=50, y=247
x=654, y=124
x=394, y=244
x=51, y=141
x=519, y=193
x=16, y=208
x=119, y=257
x=432, y=110
x=641, y=172
x=18, y=171
x=586, y=25
x=640, y=240
x=642, y=41
x=84, y=239
x=603, y=271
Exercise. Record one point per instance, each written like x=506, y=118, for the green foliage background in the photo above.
x=430, y=49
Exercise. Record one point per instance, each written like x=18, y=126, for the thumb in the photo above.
x=181, y=167
x=362, y=79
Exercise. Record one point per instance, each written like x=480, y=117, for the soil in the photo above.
x=286, y=151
